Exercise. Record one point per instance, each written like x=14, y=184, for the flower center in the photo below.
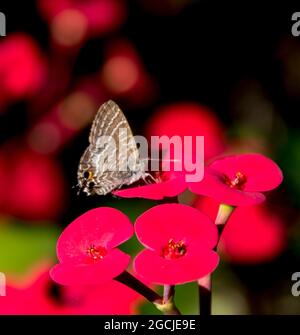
x=96, y=253
x=238, y=182
x=174, y=250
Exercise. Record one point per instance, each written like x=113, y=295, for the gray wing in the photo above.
x=110, y=121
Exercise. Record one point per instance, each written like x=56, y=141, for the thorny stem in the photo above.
x=205, y=283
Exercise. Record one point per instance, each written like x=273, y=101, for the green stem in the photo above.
x=168, y=306
x=205, y=283
x=223, y=216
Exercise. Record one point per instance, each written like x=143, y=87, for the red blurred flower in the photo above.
x=188, y=119
x=32, y=184
x=36, y=294
x=74, y=20
x=179, y=241
x=87, y=248
x=168, y=185
x=22, y=67
x=111, y=298
x=124, y=75
x=27, y=295
x=238, y=179
x=252, y=235
x=64, y=120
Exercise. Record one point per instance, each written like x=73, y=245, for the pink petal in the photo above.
x=114, y=263
x=155, y=269
x=158, y=191
x=104, y=226
x=262, y=173
x=155, y=227
x=213, y=186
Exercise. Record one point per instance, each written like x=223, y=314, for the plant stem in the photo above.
x=164, y=304
x=135, y=284
x=204, y=287
x=168, y=306
x=205, y=283
x=169, y=291
x=223, y=216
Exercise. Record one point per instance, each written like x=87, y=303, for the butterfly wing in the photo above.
x=109, y=121
x=117, y=170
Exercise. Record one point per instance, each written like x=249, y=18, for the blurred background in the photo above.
x=228, y=71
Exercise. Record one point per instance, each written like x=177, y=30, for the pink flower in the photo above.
x=179, y=241
x=33, y=184
x=124, y=76
x=36, y=294
x=111, y=298
x=87, y=248
x=22, y=67
x=74, y=20
x=252, y=235
x=27, y=295
x=167, y=185
x=65, y=119
x=238, y=179
x=188, y=119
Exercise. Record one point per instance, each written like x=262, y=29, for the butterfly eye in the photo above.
x=88, y=174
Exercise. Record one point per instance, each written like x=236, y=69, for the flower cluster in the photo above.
x=180, y=241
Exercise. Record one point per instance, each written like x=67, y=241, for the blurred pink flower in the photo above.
x=111, y=298
x=253, y=234
x=188, y=119
x=123, y=74
x=34, y=295
x=179, y=240
x=66, y=118
x=22, y=67
x=73, y=20
x=32, y=184
x=87, y=249
x=238, y=179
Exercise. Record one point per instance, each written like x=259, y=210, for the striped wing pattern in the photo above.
x=110, y=121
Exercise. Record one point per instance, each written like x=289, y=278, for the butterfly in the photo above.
x=112, y=158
